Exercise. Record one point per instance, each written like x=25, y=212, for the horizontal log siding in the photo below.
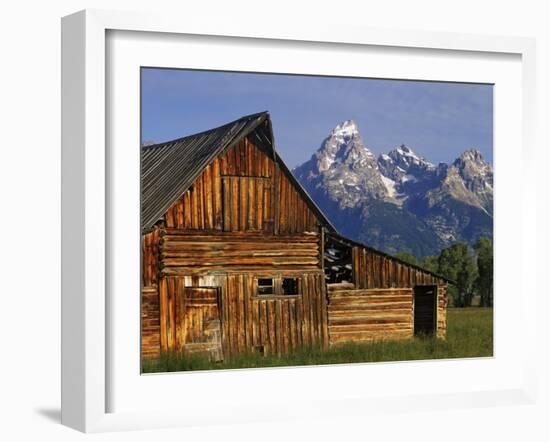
x=150, y=322
x=185, y=252
x=375, y=270
x=242, y=190
x=370, y=314
x=277, y=324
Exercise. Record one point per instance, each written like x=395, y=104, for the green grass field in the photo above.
x=469, y=334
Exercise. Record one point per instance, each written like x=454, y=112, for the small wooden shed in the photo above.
x=236, y=257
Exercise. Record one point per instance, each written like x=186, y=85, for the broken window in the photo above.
x=278, y=286
x=338, y=261
x=290, y=286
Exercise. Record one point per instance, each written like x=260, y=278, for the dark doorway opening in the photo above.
x=425, y=310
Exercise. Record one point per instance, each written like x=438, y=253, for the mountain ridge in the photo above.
x=399, y=200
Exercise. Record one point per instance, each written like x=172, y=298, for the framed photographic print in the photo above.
x=244, y=259
x=250, y=215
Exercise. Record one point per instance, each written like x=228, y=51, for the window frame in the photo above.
x=273, y=286
x=277, y=287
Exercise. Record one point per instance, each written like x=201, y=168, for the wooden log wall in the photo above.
x=248, y=204
x=189, y=318
x=150, y=312
x=293, y=215
x=191, y=252
x=273, y=324
x=376, y=270
x=375, y=314
x=251, y=323
x=150, y=258
x=370, y=314
x=242, y=190
x=150, y=322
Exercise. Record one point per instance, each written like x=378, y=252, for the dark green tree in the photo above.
x=484, y=281
x=407, y=257
x=430, y=263
x=457, y=263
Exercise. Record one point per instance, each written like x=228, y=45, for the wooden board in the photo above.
x=186, y=252
x=272, y=324
x=190, y=319
x=200, y=322
x=242, y=190
x=372, y=269
x=150, y=322
x=369, y=314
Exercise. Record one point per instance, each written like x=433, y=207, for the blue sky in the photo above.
x=438, y=120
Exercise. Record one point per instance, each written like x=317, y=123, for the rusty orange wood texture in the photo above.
x=150, y=322
x=190, y=319
x=191, y=252
x=249, y=322
x=370, y=314
x=273, y=324
x=372, y=269
x=377, y=314
x=242, y=190
x=150, y=258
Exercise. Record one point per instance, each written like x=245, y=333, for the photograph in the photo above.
x=293, y=220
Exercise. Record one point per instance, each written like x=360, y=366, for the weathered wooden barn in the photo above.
x=236, y=257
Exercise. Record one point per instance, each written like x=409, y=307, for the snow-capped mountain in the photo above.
x=469, y=179
x=345, y=168
x=402, y=164
x=398, y=201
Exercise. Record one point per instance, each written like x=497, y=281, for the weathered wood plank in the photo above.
x=370, y=314
x=271, y=323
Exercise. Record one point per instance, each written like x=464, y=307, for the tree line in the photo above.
x=470, y=267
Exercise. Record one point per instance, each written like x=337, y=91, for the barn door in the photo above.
x=425, y=310
x=189, y=318
x=201, y=328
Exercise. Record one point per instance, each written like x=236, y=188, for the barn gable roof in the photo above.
x=169, y=169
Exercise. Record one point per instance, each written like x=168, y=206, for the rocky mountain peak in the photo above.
x=471, y=166
x=344, y=167
x=402, y=164
x=472, y=154
x=399, y=200
x=468, y=179
x=343, y=145
x=345, y=128
x=406, y=158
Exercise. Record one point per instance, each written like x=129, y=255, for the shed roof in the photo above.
x=351, y=242
x=169, y=169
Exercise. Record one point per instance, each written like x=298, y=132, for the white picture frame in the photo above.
x=86, y=205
